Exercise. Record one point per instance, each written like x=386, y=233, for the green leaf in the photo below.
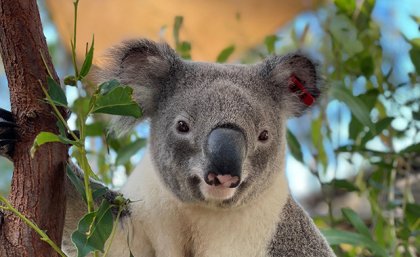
x=415, y=54
x=344, y=184
x=43, y=138
x=88, y=61
x=270, y=43
x=356, y=221
x=107, y=86
x=337, y=237
x=345, y=34
x=416, y=115
x=124, y=153
x=346, y=6
x=77, y=182
x=118, y=101
x=316, y=133
x=411, y=149
x=184, y=49
x=225, y=53
x=357, y=106
x=56, y=93
x=294, y=146
x=95, y=129
x=81, y=107
x=93, y=230
x=81, y=158
x=379, y=127
x=177, y=27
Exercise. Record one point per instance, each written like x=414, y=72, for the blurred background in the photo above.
x=357, y=154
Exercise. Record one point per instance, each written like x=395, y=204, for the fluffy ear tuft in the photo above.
x=295, y=80
x=144, y=65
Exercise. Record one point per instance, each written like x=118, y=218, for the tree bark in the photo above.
x=38, y=184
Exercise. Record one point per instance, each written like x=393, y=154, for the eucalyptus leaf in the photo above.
x=43, y=138
x=346, y=6
x=88, y=61
x=107, y=86
x=270, y=43
x=356, y=221
x=344, y=184
x=93, y=230
x=56, y=93
x=225, y=53
x=415, y=54
x=177, y=26
x=118, y=101
x=77, y=182
x=126, y=152
x=414, y=148
x=294, y=146
x=337, y=237
x=357, y=106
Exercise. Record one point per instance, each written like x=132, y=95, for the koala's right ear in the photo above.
x=144, y=65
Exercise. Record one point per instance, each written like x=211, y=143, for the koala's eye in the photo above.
x=182, y=126
x=263, y=136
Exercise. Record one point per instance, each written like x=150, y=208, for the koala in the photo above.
x=212, y=183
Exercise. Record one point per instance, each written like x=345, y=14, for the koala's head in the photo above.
x=217, y=131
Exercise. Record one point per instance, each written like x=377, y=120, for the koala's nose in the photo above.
x=226, y=149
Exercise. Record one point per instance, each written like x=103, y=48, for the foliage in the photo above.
x=351, y=54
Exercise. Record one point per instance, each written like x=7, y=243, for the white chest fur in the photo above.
x=162, y=226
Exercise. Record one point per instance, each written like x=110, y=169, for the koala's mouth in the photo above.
x=219, y=187
x=226, y=181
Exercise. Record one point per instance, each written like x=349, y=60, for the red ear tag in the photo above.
x=297, y=87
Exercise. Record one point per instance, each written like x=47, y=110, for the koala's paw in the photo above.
x=8, y=134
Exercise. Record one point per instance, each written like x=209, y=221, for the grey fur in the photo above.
x=252, y=98
x=296, y=228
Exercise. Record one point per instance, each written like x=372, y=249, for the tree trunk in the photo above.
x=38, y=184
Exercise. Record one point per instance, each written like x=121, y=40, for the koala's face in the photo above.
x=217, y=131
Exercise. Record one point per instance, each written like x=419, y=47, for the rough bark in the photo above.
x=38, y=184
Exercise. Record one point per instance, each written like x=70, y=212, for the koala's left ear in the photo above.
x=294, y=82
x=148, y=67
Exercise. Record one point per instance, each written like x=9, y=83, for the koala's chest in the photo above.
x=194, y=234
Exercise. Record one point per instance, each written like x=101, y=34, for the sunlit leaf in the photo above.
x=225, y=53
x=270, y=43
x=47, y=137
x=117, y=101
x=93, y=230
x=88, y=61
x=346, y=6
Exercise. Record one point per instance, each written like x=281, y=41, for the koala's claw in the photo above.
x=8, y=134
